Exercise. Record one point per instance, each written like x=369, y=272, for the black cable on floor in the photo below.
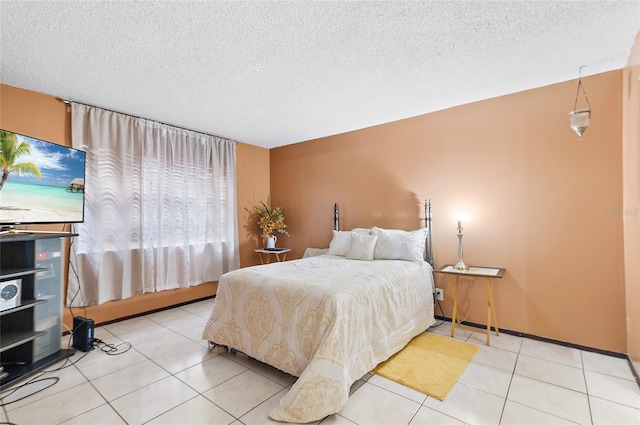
x=111, y=349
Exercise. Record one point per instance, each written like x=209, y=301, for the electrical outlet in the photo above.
x=439, y=294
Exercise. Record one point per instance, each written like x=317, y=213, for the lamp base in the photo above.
x=460, y=265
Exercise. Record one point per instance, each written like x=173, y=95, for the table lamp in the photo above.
x=460, y=265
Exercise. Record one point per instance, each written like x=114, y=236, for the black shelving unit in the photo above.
x=31, y=330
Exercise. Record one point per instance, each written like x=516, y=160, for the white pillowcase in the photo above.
x=361, y=230
x=362, y=246
x=396, y=244
x=340, y=243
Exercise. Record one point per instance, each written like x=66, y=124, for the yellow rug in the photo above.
x=430, y=364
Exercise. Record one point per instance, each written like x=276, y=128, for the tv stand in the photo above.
x=31, y=232
x=31, y=322
x=5, y=229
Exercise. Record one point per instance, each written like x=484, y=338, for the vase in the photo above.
x=271, y=242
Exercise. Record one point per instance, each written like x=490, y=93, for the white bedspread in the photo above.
x=326, y=319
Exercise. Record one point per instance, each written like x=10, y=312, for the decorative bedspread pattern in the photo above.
x=326, y=319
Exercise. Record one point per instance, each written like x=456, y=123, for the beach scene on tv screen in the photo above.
x=41, y=182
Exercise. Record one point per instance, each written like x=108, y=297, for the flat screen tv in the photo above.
x=40, y=182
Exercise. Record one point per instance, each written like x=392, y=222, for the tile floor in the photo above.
x=170, y=377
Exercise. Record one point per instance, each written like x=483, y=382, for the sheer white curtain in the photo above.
x=160, y=210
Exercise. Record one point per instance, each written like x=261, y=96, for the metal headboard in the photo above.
x=427, y=223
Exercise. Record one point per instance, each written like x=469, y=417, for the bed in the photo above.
x=330, y=318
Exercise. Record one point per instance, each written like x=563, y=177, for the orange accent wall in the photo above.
x=46, y=117
x=34, y=114
x=541, y=203
x=631, y=191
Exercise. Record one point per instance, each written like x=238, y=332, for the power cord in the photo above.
x=437, y=303
x=111, y=349
x=36, y=379
x=66, y=363
x=32, y=381
x=75, y=273
x=6, y=393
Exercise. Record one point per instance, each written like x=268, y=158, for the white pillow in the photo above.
x=362, y=246
x=312, y=252
x=396, y=244
x=361, y=230
x=340, y=243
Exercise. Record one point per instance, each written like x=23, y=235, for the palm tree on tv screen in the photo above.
x=10, y=151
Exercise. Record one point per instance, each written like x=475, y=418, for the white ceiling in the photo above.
x=276, y=73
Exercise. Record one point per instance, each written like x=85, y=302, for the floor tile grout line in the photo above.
x=239, y=418
x=552, y=361
x=442, y=413
x=611, y=376
x=506, y=397
x=415, y=413
x=555, y=385
x=551, y=383
x=480, y=389
x=586, y=387
x=90, y=382
x=614, y=402
x=395, y=393
x=544, y=411
x=174, y=407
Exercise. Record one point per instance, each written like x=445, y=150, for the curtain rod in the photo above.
x=69, y=102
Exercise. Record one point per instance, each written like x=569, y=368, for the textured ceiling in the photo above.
x=276, y=73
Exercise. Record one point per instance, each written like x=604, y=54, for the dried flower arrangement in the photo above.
x=271, y=220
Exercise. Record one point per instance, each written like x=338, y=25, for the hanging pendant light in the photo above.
x=579, y=119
